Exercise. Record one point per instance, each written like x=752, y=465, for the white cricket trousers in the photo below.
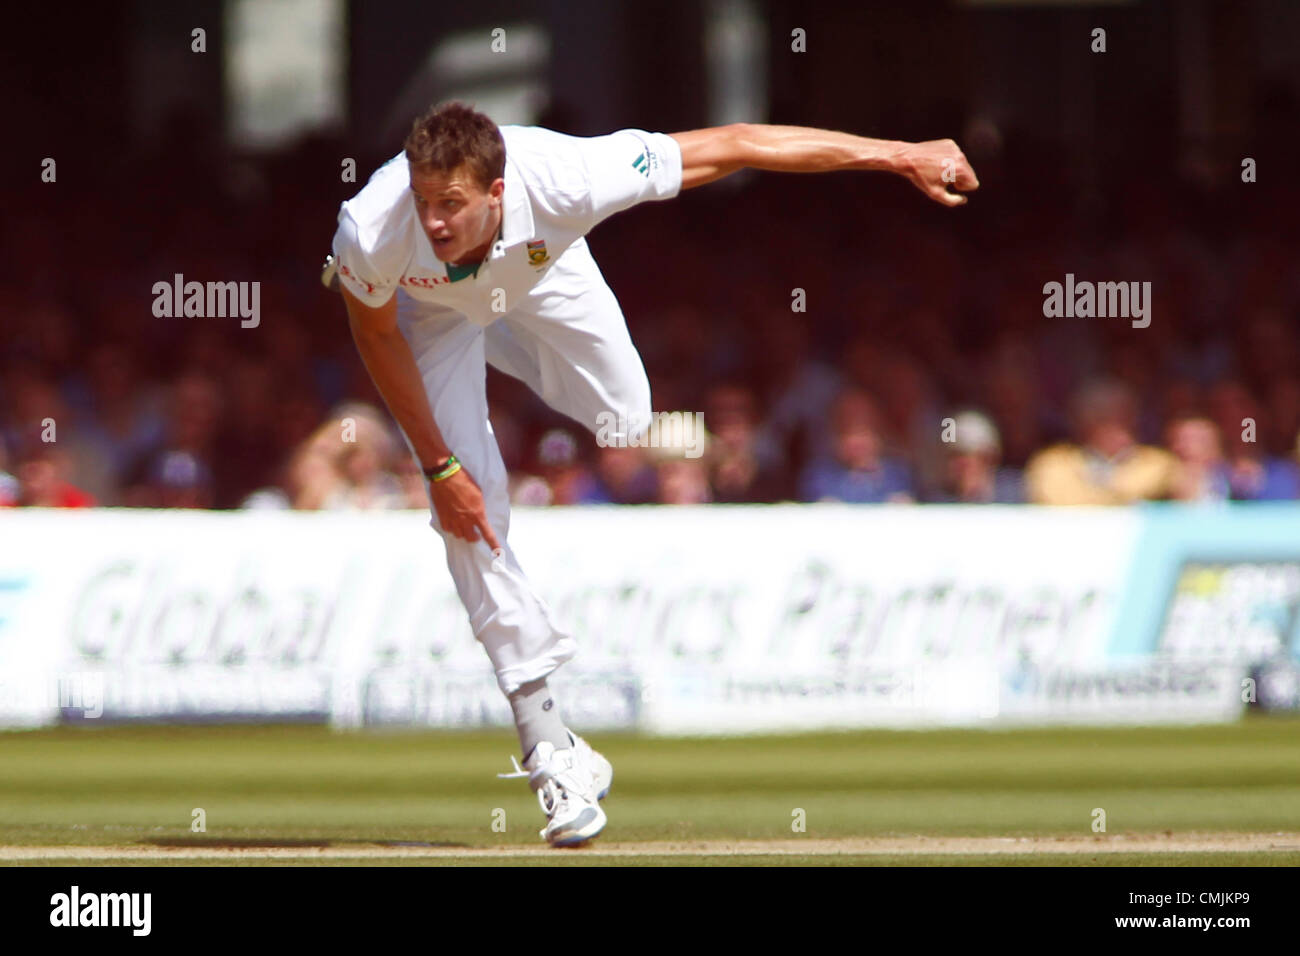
x=574, y=351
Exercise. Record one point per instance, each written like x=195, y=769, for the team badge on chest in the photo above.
x=537, y=254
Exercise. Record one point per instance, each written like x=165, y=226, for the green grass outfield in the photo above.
x=277, y=795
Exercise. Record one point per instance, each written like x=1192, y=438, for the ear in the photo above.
x=497, y=190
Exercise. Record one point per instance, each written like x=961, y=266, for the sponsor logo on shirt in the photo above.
x=424, y=282
x=357, y=279
x=646, y=162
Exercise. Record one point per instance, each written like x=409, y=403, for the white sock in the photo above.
x=537, y=718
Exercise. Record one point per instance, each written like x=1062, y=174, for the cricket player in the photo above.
x=466, y=250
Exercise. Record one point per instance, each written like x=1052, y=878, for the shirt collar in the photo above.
x=517, y=212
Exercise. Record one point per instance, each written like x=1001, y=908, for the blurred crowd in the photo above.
x=845, y=340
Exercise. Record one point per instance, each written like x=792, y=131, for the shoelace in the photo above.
x=549, y=793
x=519, y=771
x=548, y=796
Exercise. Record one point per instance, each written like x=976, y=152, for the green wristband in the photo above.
x=446, y=470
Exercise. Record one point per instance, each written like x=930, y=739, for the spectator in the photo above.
x=1253, y=474
x=314, y=479
x=344, y=465
x=624, y=476
x=42, y=474
x=176, y=479
x=743, y=464
x=1283, y=397
x=530, y=491
x=246, y=444
x=1202, y=473
x=415, y=487
x=9, y=485
x=568, y=476
x=681, y=463
x=906, y=395
x=971, y=472
x=858, y=472
x=1012, y=394
x=120, y=418
x=1108, y=466
x=801, y=388
x=564, y=478
x=361, y=450
x=38, y=416
x=180, y=471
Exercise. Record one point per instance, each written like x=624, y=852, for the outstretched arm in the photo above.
x=709, y=154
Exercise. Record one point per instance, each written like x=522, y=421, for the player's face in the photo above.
x=458, y=215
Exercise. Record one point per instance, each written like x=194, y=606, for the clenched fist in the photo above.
x=935, y=165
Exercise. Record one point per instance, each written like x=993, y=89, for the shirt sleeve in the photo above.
x=630, y=167
x=358, y=270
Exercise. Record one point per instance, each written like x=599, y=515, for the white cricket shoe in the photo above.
x=569, y=784
x=602, y=771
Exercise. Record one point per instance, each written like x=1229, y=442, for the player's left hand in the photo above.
x=935, y=165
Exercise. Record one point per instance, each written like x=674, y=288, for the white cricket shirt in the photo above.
x=557, y=188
